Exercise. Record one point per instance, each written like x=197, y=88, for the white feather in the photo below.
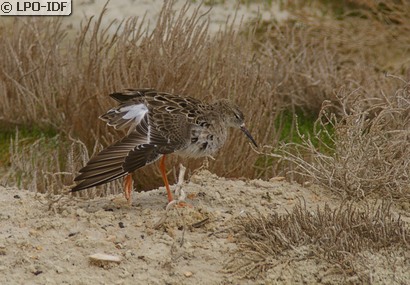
x=136, y=112
x=149, y=134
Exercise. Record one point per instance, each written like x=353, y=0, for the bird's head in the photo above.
x=233, y=117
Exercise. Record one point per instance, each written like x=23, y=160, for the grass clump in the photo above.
x=292, y=128
x=305, y=122
x=26, y=134
x=338, y=236
x=45, y=162
x=370, y=149
x=37, y=161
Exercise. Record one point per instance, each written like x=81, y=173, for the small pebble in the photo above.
x=188, y=274
x=278, y=178
x=59, y=269
x=102, y=258
x=129, y=254
x=2, y=251
x=81, y=213
x=33, y=232
x=111, y=238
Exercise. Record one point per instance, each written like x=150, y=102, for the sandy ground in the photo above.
x=44, y=242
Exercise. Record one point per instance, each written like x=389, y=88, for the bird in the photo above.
x=159, y=124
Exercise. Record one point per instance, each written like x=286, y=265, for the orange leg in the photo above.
x=128, y=188
x=164, y=177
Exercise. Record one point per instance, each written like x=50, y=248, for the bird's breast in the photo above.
x=204, y=141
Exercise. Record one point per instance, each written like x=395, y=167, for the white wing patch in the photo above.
x=136, y=112
x=125, y=116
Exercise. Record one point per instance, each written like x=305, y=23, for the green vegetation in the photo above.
x=25, y=135
x=298, y=125
x=295, y=128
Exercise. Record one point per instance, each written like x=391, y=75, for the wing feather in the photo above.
x=108, y=164
x=159, y=123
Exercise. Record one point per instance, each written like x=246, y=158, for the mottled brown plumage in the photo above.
x=159, y=124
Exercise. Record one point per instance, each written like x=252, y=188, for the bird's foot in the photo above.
x=128, y=189
x=179, y=194
x=180, y=201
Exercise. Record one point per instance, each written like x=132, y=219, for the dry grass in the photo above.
x=369, y=150
x=371, y=32
x=337, y=236
x=362, y=128
x=65, y=83
x=49, y=163
x=49, y=79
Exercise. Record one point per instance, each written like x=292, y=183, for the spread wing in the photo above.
x=108, y=164
x=154, y=131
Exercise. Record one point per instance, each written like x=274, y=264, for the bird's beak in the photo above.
x=248, y=134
